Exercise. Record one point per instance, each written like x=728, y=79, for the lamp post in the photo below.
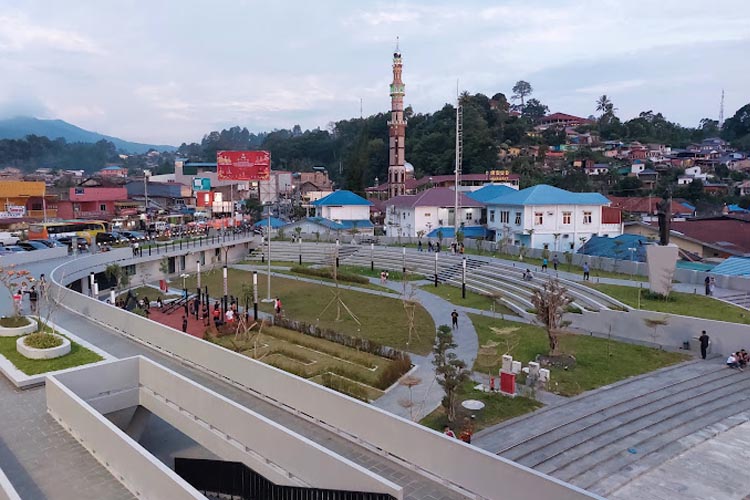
x=632, y=258
x=300, y=249
x=337, y=253
x=91, y=283
x=226, y=290
x=403, y=260
x=268, y=269
x=372, y=256
x=463, y=279
x=436, y=268
x=255, y=295
x=198, y=279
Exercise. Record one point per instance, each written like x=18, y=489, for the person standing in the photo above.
x=33, y=298
x=586, y=271
x=454, y=319
x=419, y=245
x=555, y=262
x=712, y=286
x=277, y=306
x=707, y=283
x=544, y=264
x=705, y=341
x=184, y=323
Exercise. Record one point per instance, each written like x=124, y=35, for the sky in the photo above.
x=167, y=72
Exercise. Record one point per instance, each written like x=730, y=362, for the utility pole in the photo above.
x=721, y=111
x=459, y=158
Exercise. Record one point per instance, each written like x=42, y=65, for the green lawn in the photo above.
x=497, y=409
x=78, y=356
x=154, y=293
x=599, y=361
x=392, y=275
x=382, y=319
x=369, y=286
x=475, y=300
x=687, y=304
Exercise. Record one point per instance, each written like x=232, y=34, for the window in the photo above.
x=566, y=217
x=469, y=215
x=492, y=215
x=404, y=214
x=538, y=218
x=587, y=217
x=518, y=218
x=102, y=207
x=505, y=217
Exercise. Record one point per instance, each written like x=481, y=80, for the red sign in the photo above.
x=243, y=165
x=204, y=198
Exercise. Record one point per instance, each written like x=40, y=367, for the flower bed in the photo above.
x=58, y=346
x=14, y=326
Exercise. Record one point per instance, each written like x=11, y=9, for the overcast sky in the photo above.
x=167, y=71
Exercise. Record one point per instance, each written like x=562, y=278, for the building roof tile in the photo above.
x=542, y=194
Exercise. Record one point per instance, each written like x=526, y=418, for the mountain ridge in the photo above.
x=19, y=127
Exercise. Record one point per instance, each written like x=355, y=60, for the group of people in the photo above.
x=384, y=275
x=710, y=284
x=465, y=434
x=33, y=293
x=430, y=246
x=738, y=359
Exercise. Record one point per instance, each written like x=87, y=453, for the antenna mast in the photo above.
x=721, y=110
x=459, y=158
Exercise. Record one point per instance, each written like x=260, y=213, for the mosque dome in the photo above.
x=409, y=167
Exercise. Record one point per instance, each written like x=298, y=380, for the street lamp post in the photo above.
x=372, y=256
x=255, y=295
x=91, y=283
x=268, y=269
x=300, y=250
x=337, y=253
x=403, y=261
x=463, y=279
x=436, y=268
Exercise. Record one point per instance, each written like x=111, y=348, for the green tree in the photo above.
x=117, y=273
x=521, y=90
x=550, y=302
x=451, y=371
x=534, y=110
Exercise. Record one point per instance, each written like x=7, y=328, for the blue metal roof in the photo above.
x=341, y=198
x=275, y=223
x=489, y=192
x=469, y=232
x=361, y=224
x=542, y=194
x=737, y=208
x=339, y=226
x=617, y=248
x=733, y=266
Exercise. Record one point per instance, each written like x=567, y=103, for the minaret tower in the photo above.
x=397, y=131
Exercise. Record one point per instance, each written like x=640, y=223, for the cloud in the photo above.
x=19, y=104
x=603, y=88
x=17, y=34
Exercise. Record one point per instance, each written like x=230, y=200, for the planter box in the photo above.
x=19, y=330
x=34, y=353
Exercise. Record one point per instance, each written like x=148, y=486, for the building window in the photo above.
x=538, y=218
x=518, y=218
x=102, y=207
x=566, y=217
x=468, y=215
x=587, y=217
x=505, y=217
x=404, y=214
x=492, y=215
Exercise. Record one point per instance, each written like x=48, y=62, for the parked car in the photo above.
x=51, y=243
x=111, y=237
x=133, y=235
x=32, y=245
x=9, y=249
x=7, y=238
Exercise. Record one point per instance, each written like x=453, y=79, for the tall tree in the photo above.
x=534, y=110
x=451, y=372
x=604, y=104
x=521, y=90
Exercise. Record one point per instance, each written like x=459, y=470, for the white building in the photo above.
x=341, y=206
x=544, y=216
x=691, y=173
x=429, y=211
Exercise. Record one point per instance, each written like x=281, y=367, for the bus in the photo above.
x=53, y=230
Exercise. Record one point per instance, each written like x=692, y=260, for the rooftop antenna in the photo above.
x=721, y=110
x=396, y=43
x=360, y=109
x=459, y=157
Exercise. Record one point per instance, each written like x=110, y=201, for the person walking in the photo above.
x=544, y=264
x=184, y=323
x=419, y=245
x=555, y=262
x=586, y=271
x=277, y=306
x=705, y=340
x=454, y=319
x=33, y=298
x=707, y=283
x=712, y=286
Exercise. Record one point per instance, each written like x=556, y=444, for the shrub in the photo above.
x=348, y=387
x=13, y=321
x=327, y=273
x=393, y=371
x=573, y=309
x=42, y=340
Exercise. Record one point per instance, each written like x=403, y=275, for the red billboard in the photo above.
x=243, y=165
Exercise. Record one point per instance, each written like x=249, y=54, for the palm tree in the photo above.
x=602, y=103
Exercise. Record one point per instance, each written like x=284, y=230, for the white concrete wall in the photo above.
x=139, y=471
x=475, y=471
x=24, y=258
x=7, y=491
x=347, y=212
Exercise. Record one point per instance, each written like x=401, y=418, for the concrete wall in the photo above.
x=24, y=258
x=7, y=491
x=139, y=471
x=456, y=464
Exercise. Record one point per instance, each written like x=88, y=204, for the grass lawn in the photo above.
x=359, y=374
x=497, y=409
x=370, y=286
x=154, y=293
x=78, y=356
x=280, y=263
x=688, y=304
x=599, y=361
x=382, y=319
x=473, y=299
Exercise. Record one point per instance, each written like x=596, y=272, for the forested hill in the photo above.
x=356, y=150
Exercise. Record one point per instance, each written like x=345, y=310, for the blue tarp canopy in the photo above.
x=469, y=232
x=617, y=248
x=275, y=223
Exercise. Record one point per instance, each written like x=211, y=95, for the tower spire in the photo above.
x=396, y=43
x=397, y=131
